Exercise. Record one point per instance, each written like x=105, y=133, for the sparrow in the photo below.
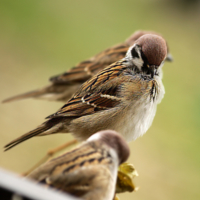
x=62, y=86
x=88, y=171
x=122, y=97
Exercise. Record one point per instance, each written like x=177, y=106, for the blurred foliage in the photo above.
x=125, y=182
x=39, y=39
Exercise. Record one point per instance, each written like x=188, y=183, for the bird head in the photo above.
x=148, y=53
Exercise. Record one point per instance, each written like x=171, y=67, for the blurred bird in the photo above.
x=89, y=171
x=62, y=87
x=122, y=97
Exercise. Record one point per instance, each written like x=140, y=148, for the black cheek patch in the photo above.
x=144, y=58
x=145, y=67
x=134, y=53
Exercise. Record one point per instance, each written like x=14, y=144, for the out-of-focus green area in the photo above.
x=39, y=39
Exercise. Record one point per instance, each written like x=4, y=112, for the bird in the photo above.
x=88, y=171
x=62, y=86
x=122, y=97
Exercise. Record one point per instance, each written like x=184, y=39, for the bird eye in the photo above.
x=134, y=53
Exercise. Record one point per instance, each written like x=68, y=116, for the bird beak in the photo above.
x=153, y=70
x=169, y=57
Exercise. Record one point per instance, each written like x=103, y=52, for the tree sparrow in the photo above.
x=90, y=170
x=122, y=97
x=62, y=87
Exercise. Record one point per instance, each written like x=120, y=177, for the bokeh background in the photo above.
x=39, y=39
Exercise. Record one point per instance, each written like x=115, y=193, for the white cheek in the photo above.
x=138, y=62
x=135, y=61
x=94, y=137
x=114, y=155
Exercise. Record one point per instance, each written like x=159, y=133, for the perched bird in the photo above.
x=89, y=171
x=62, y=87
x=122, y=97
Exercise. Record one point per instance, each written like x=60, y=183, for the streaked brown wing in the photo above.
x=86, y=69
x=98, y=93
x=75, y=171
x=83, y=180
x=100, y=81
x=111, y=54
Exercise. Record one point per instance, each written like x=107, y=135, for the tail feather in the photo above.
x=26, y=95
x=52, y=92
x=36, y=132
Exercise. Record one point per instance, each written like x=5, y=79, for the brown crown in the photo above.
x=154, y=48
x=115, y=141
x=130, y=41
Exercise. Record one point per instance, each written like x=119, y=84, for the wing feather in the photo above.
x=86, y=69
x=99, y=93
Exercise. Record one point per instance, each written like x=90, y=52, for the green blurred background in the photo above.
x=42, y=38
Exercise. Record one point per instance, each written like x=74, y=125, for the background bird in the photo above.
x=122, y=97
x=88, y=171
x=62, y=86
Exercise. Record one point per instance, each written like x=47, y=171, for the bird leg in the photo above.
x=49, y=155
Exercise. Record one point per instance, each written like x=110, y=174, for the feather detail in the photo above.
x=78, y=170
x=86, y=69
x=99, y=93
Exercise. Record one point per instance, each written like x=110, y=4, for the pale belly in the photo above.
x=137, y=121
x=139, y=117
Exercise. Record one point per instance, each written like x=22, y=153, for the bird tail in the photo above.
x=34, y=93
x=51, y=126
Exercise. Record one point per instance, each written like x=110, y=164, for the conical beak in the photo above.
x=153, y=69
x=169, y=57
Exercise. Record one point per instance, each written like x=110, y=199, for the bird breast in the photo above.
x=138, y=117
